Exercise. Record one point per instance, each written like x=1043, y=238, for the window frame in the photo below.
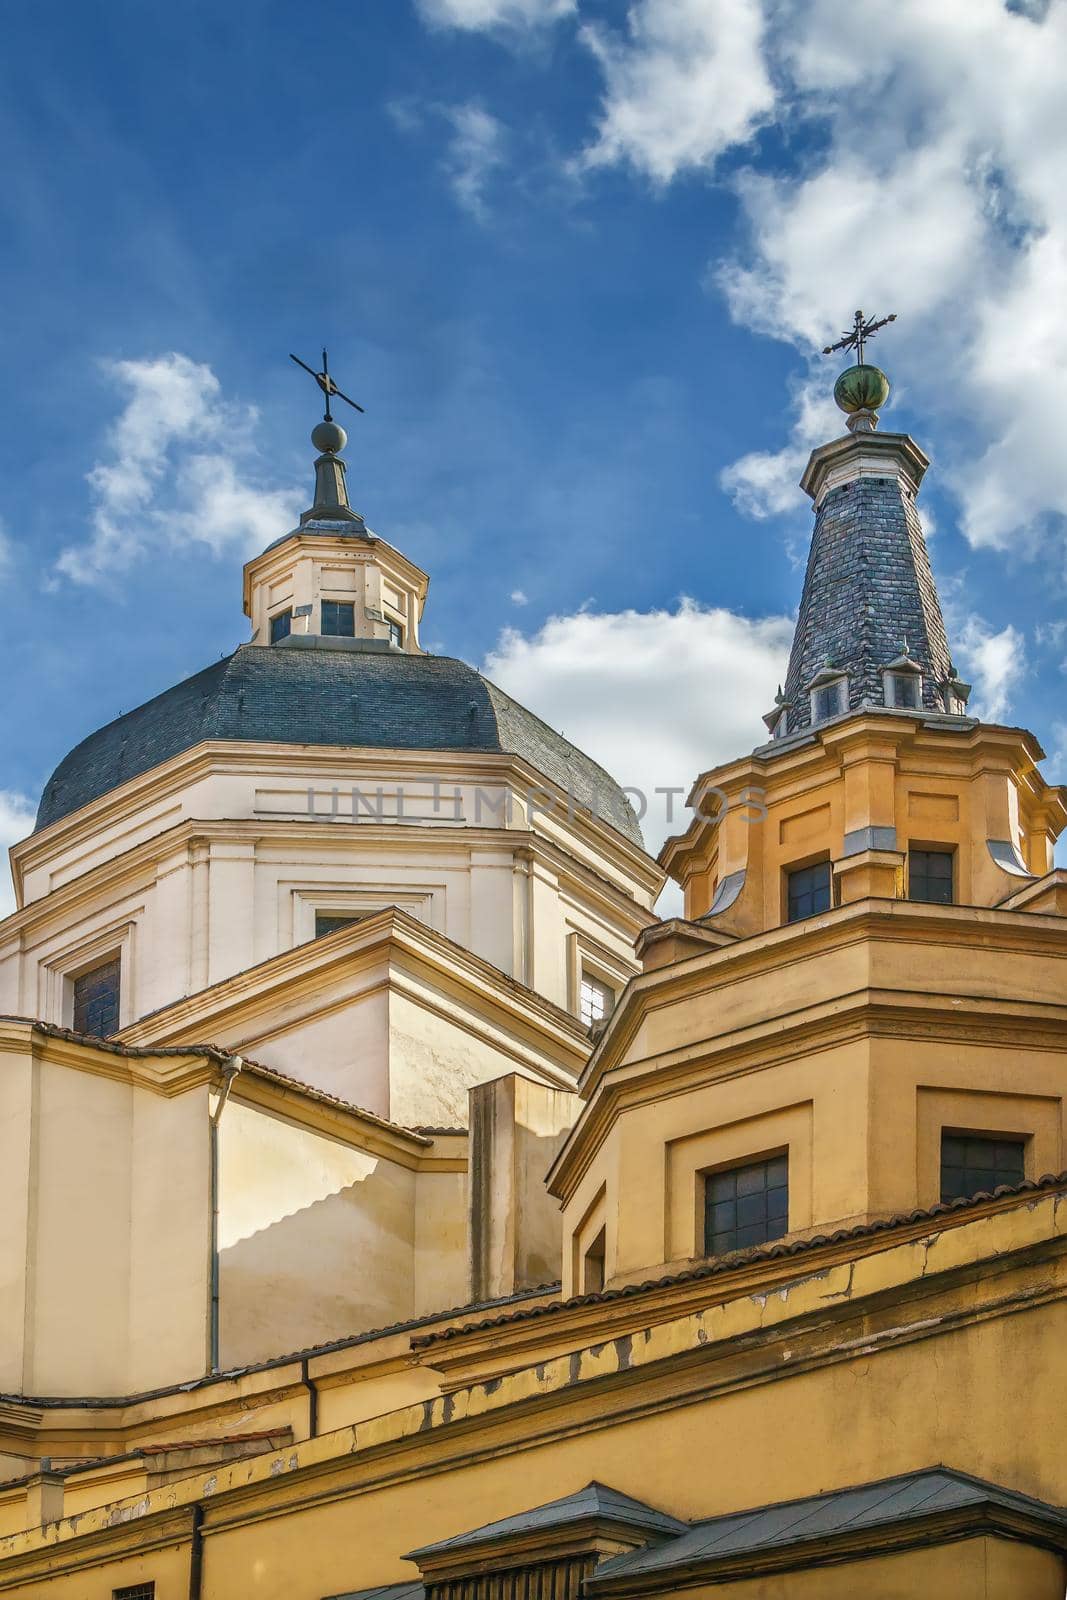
x=890, y=683
x=794, y=870
x=777, y=1225
x=396, y=632
x=286, y=616
x=113, y=959
x=339, y=919
x=915, y=849
x=594, y=982
x=1011, y=1177
x=339, y=607
x=830, y=685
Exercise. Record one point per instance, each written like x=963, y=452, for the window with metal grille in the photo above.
x=808, y=891
x=328, y=921
x=281, y=626
x=594, y=1001
x=396, y=632
x=339, y=618
x=747, y=1205
x=904, y=689
x=930, y=876
x=96, y=999
x=135, y=1591
x=974, y=1163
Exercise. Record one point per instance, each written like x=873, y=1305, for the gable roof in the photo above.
x=595, y=1502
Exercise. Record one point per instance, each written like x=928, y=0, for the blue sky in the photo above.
x=576, y=258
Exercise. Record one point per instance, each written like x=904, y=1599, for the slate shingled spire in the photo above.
x=870, y=630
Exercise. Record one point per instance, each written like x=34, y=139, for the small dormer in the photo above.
x=902, y=682
x=828, y=693
x=331, y=579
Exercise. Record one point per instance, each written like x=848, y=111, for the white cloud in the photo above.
x=686, y=82
x=656, y=697
x=936, y=191
x=176, y=473
x=518, y=598
x=766, y=483
x=995, y=663
x=17, y=813
x=478, y=14
x=475, y=151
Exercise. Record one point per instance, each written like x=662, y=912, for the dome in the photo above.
x=362, y=698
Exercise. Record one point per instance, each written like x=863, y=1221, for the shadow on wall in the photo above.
x=340, y=1266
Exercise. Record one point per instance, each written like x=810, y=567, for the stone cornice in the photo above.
x=961, y=747
x=834, y=1018
x=391, y=937
x=366, y=546
x=170, y=1070
x=856, y=455
x=165, y=1072
x=252, y=759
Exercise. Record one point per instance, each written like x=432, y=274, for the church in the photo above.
x=396, y=1208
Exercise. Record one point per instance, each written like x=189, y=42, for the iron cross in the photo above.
x=326, y=383
x=862, y=329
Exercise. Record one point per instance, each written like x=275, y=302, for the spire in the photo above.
x=870, y=632
x=331, y=491
x=329, y=438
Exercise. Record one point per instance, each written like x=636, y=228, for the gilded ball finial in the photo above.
x=861, y=388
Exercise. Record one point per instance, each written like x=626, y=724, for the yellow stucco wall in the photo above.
x=316, y=1239
x=104, y=1246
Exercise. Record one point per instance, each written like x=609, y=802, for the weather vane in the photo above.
x=855, y=339
x=326, y=384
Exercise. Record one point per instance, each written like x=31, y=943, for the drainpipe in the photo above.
x=230, y=1069
x=196, y=1555
x=313, y=1397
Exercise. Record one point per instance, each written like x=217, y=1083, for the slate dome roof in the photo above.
x=363, y=698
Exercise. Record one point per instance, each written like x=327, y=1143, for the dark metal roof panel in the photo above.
x=356, y=698
x=596, y=1500
x=388, y=1591
x=892, y=1500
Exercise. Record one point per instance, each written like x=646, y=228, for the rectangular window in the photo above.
x=281, y=626
x=96, y=999
x=826, y=702
x=135, y=1591
x=329, y=921
x=974, y=1163
x=930, y=876
x=339, y=618
x=905, y=688
x=396, y=632
x=594, y=1001
x=809, y=891
x=747, y=1205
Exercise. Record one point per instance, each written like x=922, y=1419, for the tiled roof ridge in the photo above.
x=59, y=1402
x=734, y=1259
x=216, y=1053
